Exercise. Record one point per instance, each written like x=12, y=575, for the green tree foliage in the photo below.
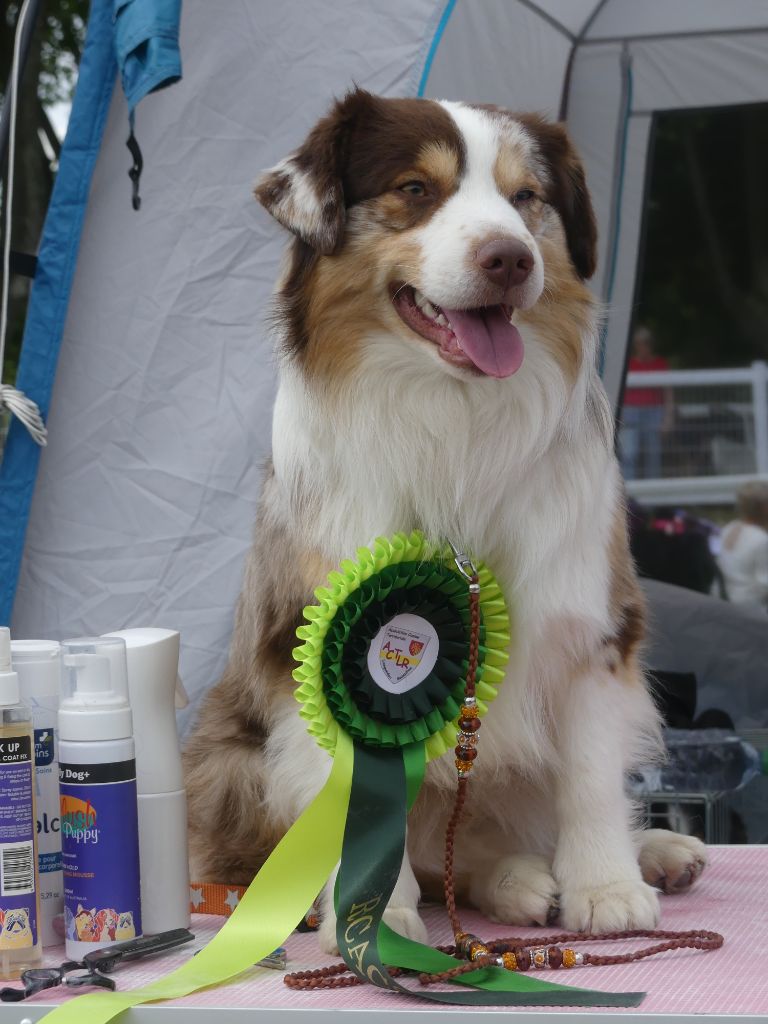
x=703, y=285
x=49, y=77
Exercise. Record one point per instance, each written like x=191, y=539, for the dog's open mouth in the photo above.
x=481, y=339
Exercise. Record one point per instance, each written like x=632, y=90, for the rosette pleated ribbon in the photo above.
x=381, y=671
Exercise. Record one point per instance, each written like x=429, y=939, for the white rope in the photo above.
x=11, y=398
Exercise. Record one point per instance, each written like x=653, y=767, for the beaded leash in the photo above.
x=513, y=953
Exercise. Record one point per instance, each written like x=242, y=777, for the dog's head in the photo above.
x=437, y=223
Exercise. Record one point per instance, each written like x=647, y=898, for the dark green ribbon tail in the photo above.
x=385, y=781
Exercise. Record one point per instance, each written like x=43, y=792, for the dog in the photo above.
x=438, y=351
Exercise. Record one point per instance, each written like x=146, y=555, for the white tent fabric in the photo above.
x=162, y=403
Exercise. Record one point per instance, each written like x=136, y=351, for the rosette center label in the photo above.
x=403, y=653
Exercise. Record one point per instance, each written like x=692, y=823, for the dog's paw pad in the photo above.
x=519, y=890
x=406, y=921
x=615, y=907
x=669, y=861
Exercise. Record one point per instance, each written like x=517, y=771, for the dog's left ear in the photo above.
x=568, y=194
x=304, y=192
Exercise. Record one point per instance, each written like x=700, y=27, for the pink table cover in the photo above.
x=730, y=898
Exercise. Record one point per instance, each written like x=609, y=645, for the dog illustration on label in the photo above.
x=84, y=925
x=125, y=926
x=16, y=930
x=106, y=925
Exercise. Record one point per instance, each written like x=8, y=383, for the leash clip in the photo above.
x=466, y=567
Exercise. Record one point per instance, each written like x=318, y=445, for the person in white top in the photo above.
x=743, y=557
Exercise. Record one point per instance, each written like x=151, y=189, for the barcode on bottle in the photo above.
x=17, y=874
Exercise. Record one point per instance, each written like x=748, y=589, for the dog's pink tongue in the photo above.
x=492, y=343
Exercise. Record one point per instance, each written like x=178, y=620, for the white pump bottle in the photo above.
x=153, y=659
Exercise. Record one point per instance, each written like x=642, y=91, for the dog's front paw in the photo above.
x=670, y=861
x=403, y=920
x=520, y=890
x=406, y=921
x=615, y=907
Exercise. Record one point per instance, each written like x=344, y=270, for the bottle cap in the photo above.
x=9, y=681
x=38, y=663
x=94, y=690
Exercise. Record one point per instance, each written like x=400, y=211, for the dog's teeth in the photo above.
x=429, y=309
x=440, y=319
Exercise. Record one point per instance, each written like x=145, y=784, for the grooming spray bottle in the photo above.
x=97, y=784
x=153, y=665
x=20, y=945
x=38, y=664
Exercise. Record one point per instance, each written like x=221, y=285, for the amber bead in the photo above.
x=510, y=961
x=466, y=753
x=464, y=943
x=555, y=957
x=470, y=724
x=523, y=958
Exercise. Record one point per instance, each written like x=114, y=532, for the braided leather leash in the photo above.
x=513, y=953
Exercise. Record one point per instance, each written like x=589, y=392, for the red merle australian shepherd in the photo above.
x=437, y=351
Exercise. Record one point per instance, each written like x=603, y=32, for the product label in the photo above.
x=48, y=834
x=100, y=851
x=43, y=748
x=17, y=849
x=403, y=653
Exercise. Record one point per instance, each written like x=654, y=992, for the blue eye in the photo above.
x=523, y=196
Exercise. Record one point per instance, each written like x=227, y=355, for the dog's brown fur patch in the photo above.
x=280, y=577
x=628, y=602
x=565, y=310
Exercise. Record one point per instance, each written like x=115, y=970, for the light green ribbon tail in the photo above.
x=268, y=912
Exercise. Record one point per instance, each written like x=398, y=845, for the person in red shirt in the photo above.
x=647, y=413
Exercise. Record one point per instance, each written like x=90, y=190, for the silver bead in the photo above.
x=474, y=588
x=470, y=702
x=463, y=775
x=539, y=957
x=499, y=961
x=579, y=958
x=466, y=739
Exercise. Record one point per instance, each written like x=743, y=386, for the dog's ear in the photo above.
x=568, y=193
x=304, y=192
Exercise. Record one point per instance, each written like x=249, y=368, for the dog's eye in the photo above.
x=523, y=196
x=414, y=188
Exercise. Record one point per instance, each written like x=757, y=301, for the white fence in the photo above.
x=694, y=436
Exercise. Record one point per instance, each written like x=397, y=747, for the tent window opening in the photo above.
x=693, y=426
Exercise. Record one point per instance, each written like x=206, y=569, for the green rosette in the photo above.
x=402, y=575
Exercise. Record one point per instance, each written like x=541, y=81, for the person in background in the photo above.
x=646, y=415
x=743, y=557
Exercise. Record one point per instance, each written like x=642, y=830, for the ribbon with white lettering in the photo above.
x=372, y=855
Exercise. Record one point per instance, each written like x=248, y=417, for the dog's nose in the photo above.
x=505, y=261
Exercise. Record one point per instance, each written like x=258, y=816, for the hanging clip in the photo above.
x=466, y=567
x=138, y=166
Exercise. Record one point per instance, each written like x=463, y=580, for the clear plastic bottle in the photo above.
x=97, y=784
x=20, y=945
x=38, y=664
